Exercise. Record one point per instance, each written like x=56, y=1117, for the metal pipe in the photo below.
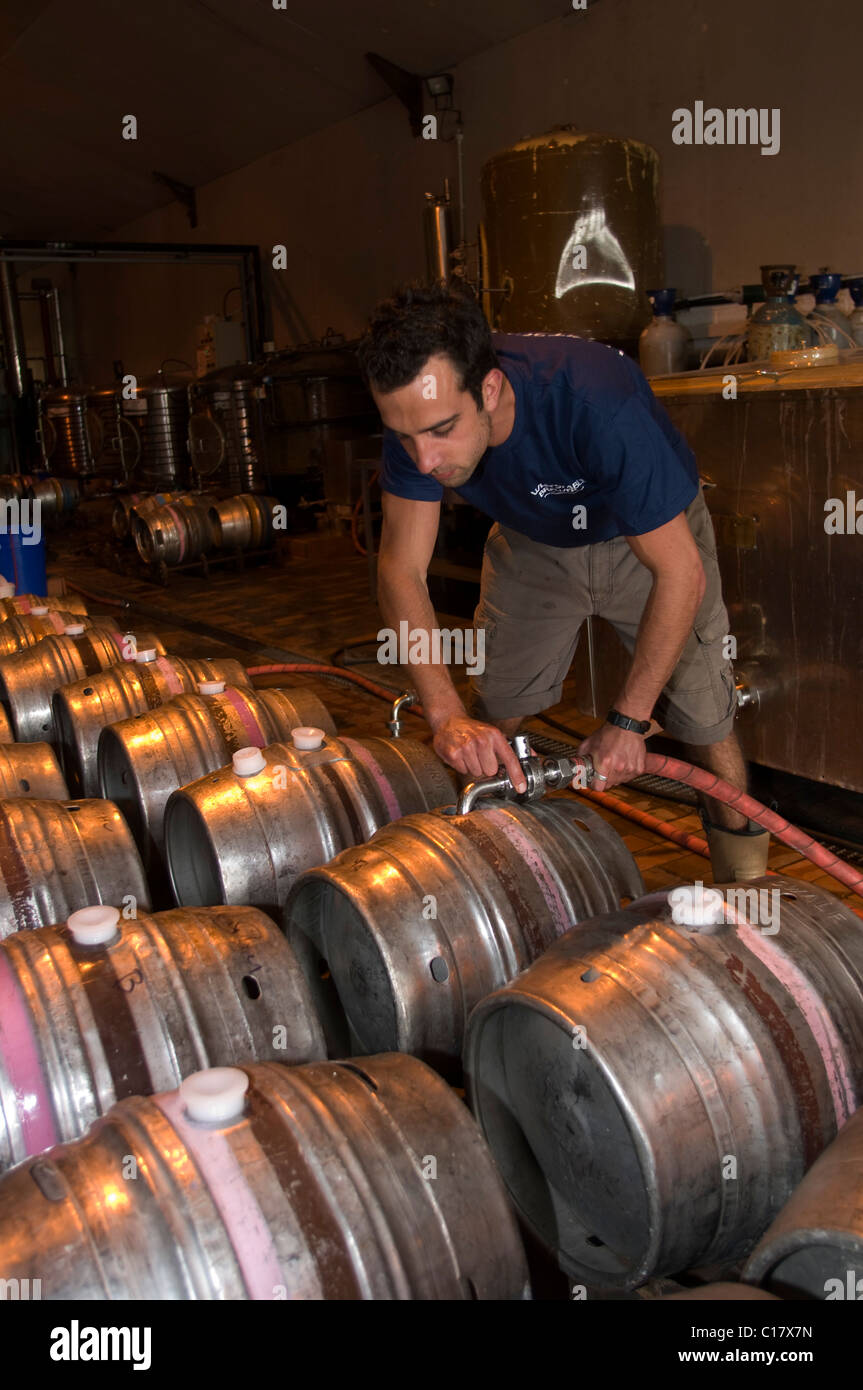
x=47, y=336
x=403, y=701
x=438, y=236
x=13, y=334
x=459, y=148
x=61, y=346
x=486, y=786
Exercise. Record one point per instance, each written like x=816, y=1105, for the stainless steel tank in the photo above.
x=571, y=235
x=59, y=856
x=654, y=1092
x=63, y=430
x=244, y=836
x=29, y=679
x=114, y=442
x=402, y=936
x=83, y=709
x=316, y=402
x=142, y=760
x=814, y=1247
x=105, y=1007
x=159, y=416
x=226, y=437
x=329, y=1181
x=31, y=769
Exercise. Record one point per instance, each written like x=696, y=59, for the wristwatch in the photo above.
x=623, y=721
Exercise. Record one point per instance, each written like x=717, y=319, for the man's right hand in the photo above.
x=477, y=749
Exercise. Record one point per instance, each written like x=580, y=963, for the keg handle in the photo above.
x=541, y=775
x=403, y=701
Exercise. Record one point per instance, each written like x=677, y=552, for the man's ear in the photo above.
x=492, y=383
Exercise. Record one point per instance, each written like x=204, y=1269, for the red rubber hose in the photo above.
x=312, y=668
x=97, y=598
x=693, y=843
x=668, y=831
x=779, y=827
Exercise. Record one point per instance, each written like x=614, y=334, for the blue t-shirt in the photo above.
x=592, y=453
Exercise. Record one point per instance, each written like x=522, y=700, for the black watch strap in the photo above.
x=623, y=721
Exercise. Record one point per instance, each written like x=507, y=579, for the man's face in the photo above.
x=438, y=424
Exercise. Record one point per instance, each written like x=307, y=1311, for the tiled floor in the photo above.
x=313, y=607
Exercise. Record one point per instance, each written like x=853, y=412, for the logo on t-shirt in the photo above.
x=557, y=489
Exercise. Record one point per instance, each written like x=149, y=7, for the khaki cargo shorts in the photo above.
x=534, y=599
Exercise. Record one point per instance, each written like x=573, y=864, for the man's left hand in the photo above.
x=618, y=754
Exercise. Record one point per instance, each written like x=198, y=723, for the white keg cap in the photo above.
x=73, y=629
x=7, y=590
x=93, y=926
x=248, y=761
x=693, y=905
x=148, y=654
x=36, y=612
x=307, y=737
x=214, y=1096
x=210, y=687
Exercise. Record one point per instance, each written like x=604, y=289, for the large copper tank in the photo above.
x=570, y=235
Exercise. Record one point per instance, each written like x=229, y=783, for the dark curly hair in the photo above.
x=423, y=321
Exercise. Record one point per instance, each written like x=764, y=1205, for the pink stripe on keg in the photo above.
x=20, y=1055
x=561, y=915
x=180, y=529
x=821, y=1025
x=362, y=755
x=244, y=1221
x=172, y=680
x=58, y=623
x=257, y=737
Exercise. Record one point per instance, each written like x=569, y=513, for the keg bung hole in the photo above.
x=582, y=825
x=595, y=1241
x=792, y=897
x=24, y=784
x=439, y=969
x=88, y=690
x=590, y=975
x=73, y=808
x=252, y=987
x=45, y=728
